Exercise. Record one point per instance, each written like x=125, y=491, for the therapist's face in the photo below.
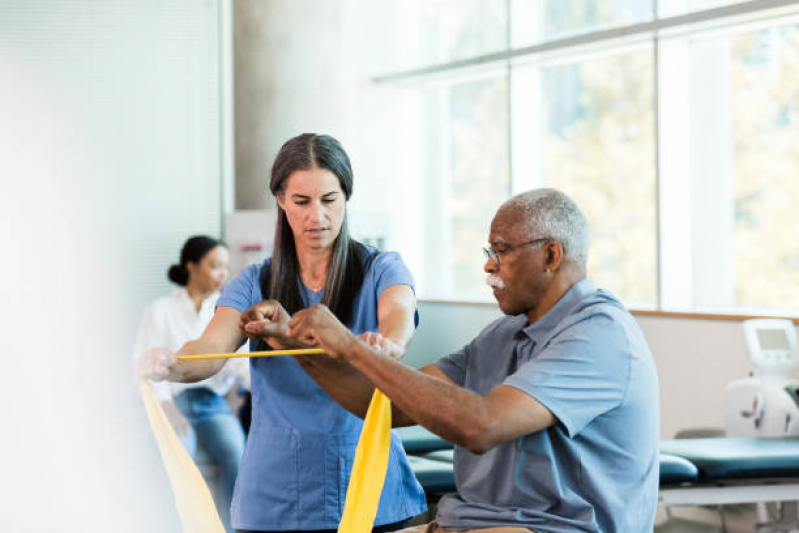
x=315, y=206
x=518, y=277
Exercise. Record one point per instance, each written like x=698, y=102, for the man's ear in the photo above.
x=554, y=255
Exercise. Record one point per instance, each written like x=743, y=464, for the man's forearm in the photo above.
x=452, y=412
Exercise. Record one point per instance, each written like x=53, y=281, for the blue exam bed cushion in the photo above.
x=738, y=457
x=675, y=469
x=417, y=440
x=435, y=477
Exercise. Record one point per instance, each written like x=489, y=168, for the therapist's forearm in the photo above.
x=397, y=325
x=197, y=369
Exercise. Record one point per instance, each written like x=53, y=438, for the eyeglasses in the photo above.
x=492, y=254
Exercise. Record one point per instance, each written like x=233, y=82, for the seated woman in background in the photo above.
x=199, y=412
x=301, y=444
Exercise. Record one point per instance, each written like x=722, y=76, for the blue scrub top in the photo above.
x=300, y=450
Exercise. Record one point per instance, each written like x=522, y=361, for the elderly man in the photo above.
x=553, y=408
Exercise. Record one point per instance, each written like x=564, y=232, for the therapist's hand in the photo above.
x=318, y=325
x=268, y=320
x=156, y=364
x=382, y=345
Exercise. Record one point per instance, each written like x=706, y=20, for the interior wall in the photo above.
x=695, y=358
x=307, y=66
x=109, y=159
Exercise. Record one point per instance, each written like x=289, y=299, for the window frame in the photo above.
x=666, y=35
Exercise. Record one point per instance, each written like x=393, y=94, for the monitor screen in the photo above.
x=772, y=339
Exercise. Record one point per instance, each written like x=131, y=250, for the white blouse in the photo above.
x=169, y=322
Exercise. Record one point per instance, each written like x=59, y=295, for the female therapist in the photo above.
x=301, y=444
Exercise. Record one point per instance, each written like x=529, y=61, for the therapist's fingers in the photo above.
x=264, y=328
x=382, y=345
x=155, y=363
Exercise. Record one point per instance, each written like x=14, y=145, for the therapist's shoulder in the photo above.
x=385, y=267
x=252, y=273
x=377, y=260
x=244, y=287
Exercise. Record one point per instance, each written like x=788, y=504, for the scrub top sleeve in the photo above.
x=239, y=292
x=389, y=270
x=581, y=374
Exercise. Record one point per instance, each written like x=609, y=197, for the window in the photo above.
x=672, y=127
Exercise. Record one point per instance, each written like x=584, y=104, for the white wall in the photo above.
x=695, y=358
x=109, y=159
x=307, y=66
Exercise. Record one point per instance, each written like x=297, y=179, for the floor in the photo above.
x=731, y=519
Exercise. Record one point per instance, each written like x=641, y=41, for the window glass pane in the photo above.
x=427, y=32
x=597, y=145
x=466, y=179
x=480, y=176
x=670, y=8
x=764, y=89
x=535, y=22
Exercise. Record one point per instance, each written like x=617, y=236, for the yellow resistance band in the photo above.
x=371, y=457
x=369, y=469
x=271, y=353
x=193, y=500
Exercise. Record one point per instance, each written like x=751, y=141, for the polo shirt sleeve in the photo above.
x=239, y=292
x=454, y=365
x=389, y=270
x=581, y=374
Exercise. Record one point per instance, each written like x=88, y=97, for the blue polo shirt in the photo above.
x=587, y=361
x=301, y=446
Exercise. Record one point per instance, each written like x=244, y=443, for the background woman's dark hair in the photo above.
x=350, y=258
x=194, y=249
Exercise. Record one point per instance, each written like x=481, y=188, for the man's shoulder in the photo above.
x=598, y=304
x=504, y=326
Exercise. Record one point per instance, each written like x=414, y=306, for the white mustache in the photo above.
x=494, y=282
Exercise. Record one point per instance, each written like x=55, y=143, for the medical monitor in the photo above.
x=772, y=346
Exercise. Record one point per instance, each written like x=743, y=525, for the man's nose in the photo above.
x=490, y=266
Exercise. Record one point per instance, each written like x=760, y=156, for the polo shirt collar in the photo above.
x=562, y=308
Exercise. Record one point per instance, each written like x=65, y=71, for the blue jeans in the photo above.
x=219, y=433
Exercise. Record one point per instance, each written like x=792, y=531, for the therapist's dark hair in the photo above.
x=350, y=258
x=193, y=251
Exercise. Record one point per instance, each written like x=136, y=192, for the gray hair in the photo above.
x=551, y=213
